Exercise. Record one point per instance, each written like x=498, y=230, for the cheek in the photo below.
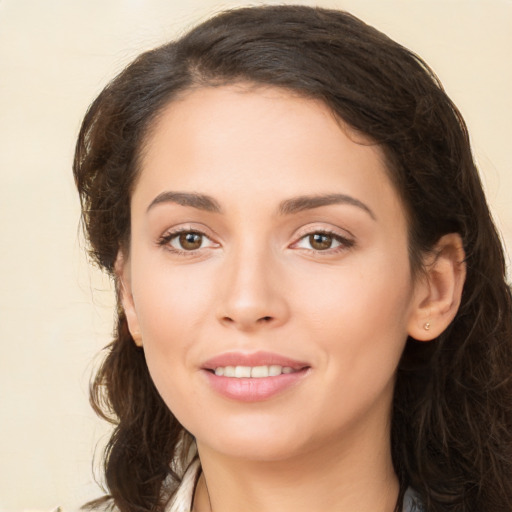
x=371, y=296
x=171, y=299
x=172, y=306
x=170, y=330
x=359, y=317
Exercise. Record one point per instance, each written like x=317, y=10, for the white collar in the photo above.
x=182, y=499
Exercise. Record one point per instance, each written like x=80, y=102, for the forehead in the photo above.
x=259, y=141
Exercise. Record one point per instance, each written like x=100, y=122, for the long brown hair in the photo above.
x=452, y=413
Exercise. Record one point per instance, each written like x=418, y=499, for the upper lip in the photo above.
x=252, y=359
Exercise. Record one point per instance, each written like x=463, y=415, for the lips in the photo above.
x=252, y=360
x=253, y=377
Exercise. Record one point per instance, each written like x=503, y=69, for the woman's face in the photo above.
x=270, y=247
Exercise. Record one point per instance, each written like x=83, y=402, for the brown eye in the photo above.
x=184, y=241
x=190, y=241
x=320, y=241
x=323, y=241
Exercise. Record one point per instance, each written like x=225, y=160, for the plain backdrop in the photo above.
x=55, y=310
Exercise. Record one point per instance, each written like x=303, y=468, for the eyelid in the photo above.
x=324, y=226
x=346, y=240
x=172, y=233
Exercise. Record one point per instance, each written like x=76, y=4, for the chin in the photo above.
x=250, y=439
x=257, y=450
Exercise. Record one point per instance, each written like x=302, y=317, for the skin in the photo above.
x=256, y=282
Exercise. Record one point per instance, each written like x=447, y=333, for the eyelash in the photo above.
x=345, y=243
x=167, y=238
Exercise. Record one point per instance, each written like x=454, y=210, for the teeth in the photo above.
x=242, y=371
x=259, y=371
x=229, y=371
x=274, y=370
x=256, y=372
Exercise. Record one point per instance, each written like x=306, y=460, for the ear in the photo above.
x=122, y=270
x=438, y=292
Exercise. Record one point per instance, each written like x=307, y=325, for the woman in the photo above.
x=313, y=313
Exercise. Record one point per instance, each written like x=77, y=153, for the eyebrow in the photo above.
x=192, y=199
x=301, y=203
x=287, y=207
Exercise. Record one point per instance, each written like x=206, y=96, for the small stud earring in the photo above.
x=426, y=326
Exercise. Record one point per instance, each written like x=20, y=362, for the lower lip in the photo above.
x=254, y=390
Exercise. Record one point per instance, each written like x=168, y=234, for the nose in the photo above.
x=252, y=295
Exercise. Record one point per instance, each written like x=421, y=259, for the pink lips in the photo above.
x=248, y=389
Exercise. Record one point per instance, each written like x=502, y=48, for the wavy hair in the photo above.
x=451, y=434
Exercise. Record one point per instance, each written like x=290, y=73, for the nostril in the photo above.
x=247, y=321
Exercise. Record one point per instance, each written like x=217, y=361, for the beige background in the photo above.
x=55, y=311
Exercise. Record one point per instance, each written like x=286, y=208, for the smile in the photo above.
x=254, y=372
x=253, y=377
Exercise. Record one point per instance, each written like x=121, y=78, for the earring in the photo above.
x=426, y=326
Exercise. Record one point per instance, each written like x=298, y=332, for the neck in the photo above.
x=339, y=477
